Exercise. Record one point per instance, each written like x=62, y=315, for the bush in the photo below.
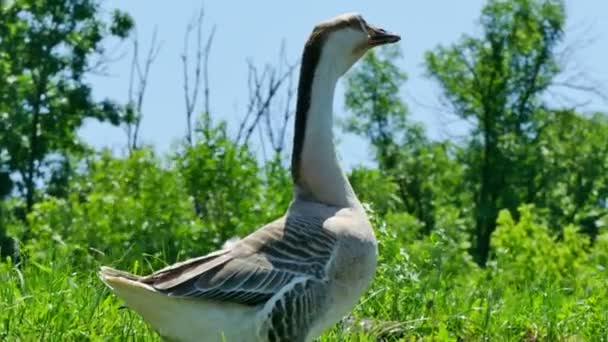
x=526, y=252
x=123, y=208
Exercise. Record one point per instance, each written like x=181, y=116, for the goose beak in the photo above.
x=378, y=36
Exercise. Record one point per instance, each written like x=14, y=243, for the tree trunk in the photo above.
x=486, y=212
x=30, y=185
x=7, y=244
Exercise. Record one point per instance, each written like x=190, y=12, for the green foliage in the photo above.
x=372, y=96
x=497, y=82
x=44, y=98
x=514, y=61
x=416, y=173
x=222, y=180
x=571, y=166
x=120, y=207
x=526, y=252
x=204, y=195
x=560, y=278
x=376, y=188
x=531, y=178
x=429, y=288
x=60, y=301
x=430, y=179
x=277, y=191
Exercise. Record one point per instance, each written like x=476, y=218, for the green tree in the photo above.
x=423, y=173
x=46, y=50
x=570, y=165
x=6, y=242
x=378, y=114
x=223, y=180
x=497, y=81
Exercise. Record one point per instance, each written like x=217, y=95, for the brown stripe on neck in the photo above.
x=310, y=60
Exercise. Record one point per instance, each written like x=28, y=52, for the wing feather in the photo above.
x=256, y=267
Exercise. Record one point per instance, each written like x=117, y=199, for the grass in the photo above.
x=58, y=301
x=535, y=288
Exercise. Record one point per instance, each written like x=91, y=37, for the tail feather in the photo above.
x=140, y=297
x=106, y=271
x=124, y=283
x=180, y=318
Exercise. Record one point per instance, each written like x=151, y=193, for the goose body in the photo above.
x=296, y=276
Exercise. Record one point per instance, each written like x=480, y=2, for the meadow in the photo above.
x=536, y=287
x=496, y=235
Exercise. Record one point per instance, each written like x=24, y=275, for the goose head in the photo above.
x=345, y=39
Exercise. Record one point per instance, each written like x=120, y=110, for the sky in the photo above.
x=254, y=30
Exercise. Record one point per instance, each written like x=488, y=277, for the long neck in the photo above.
x=315, y=169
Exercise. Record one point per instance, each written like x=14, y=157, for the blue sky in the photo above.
x=255, y=29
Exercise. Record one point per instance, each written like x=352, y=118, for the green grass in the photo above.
x=58, y=301
x=535, y=288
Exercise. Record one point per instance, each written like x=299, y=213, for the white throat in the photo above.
x=320, y=175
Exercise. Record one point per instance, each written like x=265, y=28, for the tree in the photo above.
x=424, y=173
x=192, y=73
x=378, y=114
x=138, y=83
x=571, y=170
x=46, y=50
x=270, y=107
x=7, y=245
x=497, y=82
x=221, y=178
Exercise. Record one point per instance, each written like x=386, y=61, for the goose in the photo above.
x=299, y=275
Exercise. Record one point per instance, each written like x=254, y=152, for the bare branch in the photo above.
x=590, y=89
x=249, y=111
x=564, y=101
x=100, y=61
x=130, y=108
x=288, y=112
x=581, y=82
x=201, y=68
x=582, y=37
x=264, y=88
x=278, y=143
x=263, y=145
x=138, y=82
x=206, y=69
x=575, y=76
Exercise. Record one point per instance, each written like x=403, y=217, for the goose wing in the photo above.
x=288, y=250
